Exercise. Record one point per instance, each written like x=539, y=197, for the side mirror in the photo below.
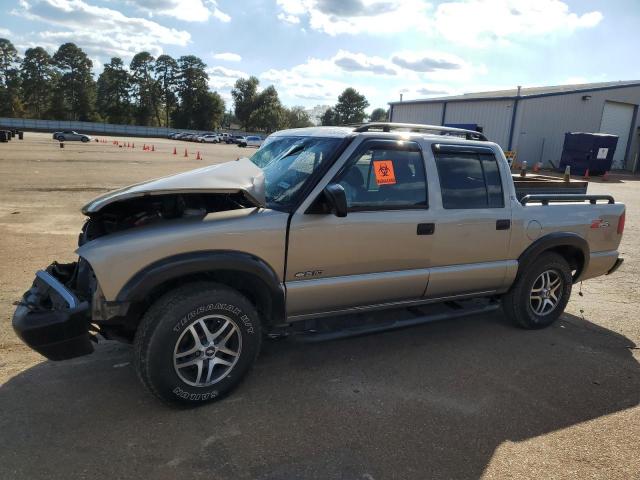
x=336, y=198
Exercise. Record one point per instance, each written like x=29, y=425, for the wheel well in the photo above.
x=573, y=255
x=251, y=286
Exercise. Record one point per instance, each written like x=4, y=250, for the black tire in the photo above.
x=520, y=305
x=60, y=138
x=84, y=139
x=169, y=321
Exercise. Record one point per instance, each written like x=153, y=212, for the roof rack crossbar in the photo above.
x=388, y=126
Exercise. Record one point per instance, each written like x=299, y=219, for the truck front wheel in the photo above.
x=539, y=296
x=196, y=343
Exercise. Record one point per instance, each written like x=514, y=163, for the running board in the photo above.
x=326, y=329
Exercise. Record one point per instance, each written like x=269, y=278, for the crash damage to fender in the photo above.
x=240, y=177
x=54, y=316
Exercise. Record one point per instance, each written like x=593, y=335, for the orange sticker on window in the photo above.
x=384, y=172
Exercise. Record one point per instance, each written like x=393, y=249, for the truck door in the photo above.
x=381, y=251
x=473, y=227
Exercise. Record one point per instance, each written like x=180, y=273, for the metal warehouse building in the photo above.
x=533, y=121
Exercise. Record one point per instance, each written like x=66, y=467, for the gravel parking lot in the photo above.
x=466, y=398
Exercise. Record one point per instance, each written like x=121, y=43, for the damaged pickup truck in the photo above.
x=318, y=225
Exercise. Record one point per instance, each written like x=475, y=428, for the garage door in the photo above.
x=616, y=120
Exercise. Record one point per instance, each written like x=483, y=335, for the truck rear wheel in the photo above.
x=539, y=296
x=196, y=343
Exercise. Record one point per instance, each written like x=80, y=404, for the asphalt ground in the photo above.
x=467, y=398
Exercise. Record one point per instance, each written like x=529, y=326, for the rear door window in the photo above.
x=469, y=180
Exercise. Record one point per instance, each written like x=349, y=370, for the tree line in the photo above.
x=150, y=91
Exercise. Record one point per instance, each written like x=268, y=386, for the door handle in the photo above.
x=504, y=224
x=426, y=228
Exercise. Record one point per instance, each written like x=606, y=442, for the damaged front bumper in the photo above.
x=52, y=320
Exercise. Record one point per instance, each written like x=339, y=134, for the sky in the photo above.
x=311, y=50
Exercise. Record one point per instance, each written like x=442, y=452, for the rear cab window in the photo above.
x=469, y=178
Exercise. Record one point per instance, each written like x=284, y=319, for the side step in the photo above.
x=344, y=326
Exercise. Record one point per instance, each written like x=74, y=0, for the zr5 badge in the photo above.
x=599, y=223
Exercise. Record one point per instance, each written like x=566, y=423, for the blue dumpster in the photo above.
x=593, y=151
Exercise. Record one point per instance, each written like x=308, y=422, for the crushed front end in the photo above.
x=53, y=316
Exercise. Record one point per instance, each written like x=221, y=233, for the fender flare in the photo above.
x=140, y=285
x=552, y=241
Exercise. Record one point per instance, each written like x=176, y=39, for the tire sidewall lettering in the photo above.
x=195, y=397
x=218, y=306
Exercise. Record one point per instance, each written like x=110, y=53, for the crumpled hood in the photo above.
x=239, y=176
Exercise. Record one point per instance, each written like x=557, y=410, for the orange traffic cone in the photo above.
x=198, y=156
x=186, y=155
x=586, y=174
x=605, y=177
x=536, y=167
x=175, y=152
x=153, y=148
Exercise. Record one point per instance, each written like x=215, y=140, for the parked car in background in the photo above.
x=210, y=138
x=71, y=136
x=172, y=135
x=232, y=138
x=250, y=141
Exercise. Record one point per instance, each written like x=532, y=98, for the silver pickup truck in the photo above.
x=318, y=227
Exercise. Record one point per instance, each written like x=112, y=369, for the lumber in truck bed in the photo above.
x=533, y=184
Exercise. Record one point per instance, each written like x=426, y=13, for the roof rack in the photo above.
x=388, y=126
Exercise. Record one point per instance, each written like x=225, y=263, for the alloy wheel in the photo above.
x=207, y=350
x=546, y=292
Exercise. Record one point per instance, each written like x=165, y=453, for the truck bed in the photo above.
x=544, y=184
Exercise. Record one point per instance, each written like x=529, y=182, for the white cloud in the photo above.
x=99, y=31
x=427, y=61
x=359, y=62
x=227, y=56
x=5, y=31
x=288, y=18
x=481, y=22
x=186, y=10
x=468, y=22
x=222, y=78
x=355, y=16
x=427, y=90
x=437, y=66
x=324, y=79
x=416, y=74
x=307, y=81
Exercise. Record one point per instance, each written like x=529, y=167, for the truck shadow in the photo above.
x=434, y=401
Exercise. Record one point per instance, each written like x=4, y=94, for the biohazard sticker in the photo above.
x=384, y=172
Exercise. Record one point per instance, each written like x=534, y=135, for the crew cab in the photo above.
x=319, y=224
